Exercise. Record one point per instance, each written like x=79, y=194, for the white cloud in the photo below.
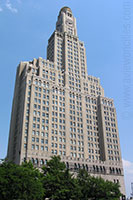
x=128, y=166
x=10, y=7
x=1, y=9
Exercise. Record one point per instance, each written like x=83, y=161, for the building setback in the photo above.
x=58, y=109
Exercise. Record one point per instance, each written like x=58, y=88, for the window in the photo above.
x=42, y=148
x=37, y=139
x=37, y=147
x=42, y=141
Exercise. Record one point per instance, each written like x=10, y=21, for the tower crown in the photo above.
x=66, y=22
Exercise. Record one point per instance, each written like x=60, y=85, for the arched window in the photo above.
x=83, y=166
x=75, y=166
x=32, y=160
x=67, y=165
x=86, y=167
x=36, y=161
x=97, y=168
x=41, y=161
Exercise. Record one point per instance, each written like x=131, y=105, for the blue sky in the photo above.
x=104, y=26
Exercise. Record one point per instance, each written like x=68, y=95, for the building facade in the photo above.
x=58, y=109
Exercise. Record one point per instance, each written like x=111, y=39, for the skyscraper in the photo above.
x=58, y=109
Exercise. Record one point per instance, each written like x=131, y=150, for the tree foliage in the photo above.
x=97, y=188
x=20, y=182
x=58, y=181
x=54, y=182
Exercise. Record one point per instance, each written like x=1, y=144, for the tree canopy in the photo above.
x=20, y=182
x=97, y=188
x=58, y=181
x=53, y=182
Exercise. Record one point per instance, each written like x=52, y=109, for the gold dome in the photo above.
x=64, y=9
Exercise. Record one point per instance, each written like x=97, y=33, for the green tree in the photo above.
x=54, y=182
x=20, y=182
x=97, y=188
x=59, y=182
x=83, y=180
x=101, y=189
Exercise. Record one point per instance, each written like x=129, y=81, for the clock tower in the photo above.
x=66, y=30
x=66, y=22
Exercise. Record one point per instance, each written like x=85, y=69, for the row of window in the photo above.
x=37, y=147
x=94, y=151
x=58, y=152
x=39, y=140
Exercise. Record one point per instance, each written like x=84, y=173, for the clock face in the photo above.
x=58, y=25
x=69, y=22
